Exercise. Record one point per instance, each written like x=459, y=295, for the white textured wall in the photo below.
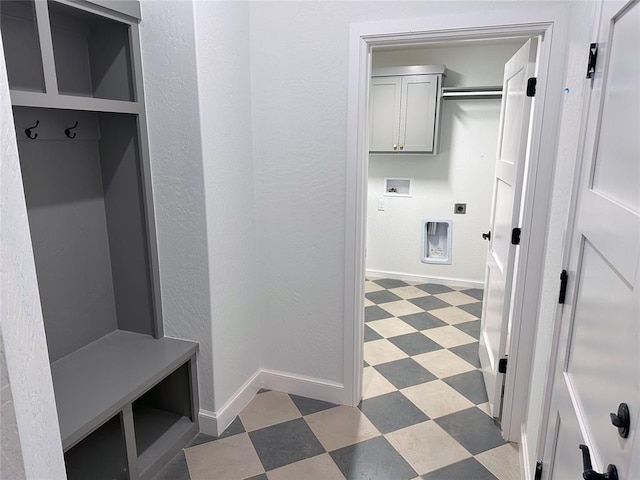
x=196, y=71
x=11, y=462
x=171, y=95
x=299, y=79
x=294, y=115
x=471, y=65
x=580, y=35
x=25, y=347
x=462, y=172
x=222, y=46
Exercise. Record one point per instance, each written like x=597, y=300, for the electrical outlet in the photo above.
x=460, y=208
x=381, y=204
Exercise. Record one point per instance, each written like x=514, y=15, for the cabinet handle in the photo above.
x=401, y=146
x=395, y=146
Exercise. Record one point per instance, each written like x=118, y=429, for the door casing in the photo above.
x=552, y=23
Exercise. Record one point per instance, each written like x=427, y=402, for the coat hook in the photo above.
x=67, y=131
x=27, y=131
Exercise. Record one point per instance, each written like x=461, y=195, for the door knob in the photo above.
x=487, y=236
x=622, y=420
x=590, y=474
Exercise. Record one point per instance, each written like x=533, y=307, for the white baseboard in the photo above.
x=304, y=386
x=214, y=423
x=410, y=277
x=207, y=422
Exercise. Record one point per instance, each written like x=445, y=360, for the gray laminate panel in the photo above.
x=68, y=102
x=63, y=190
x=72, y=62
x=119, y=153
x=21, y=45
x=130, y=8
x=130, y=441
x=110, y=61
x=95, y=382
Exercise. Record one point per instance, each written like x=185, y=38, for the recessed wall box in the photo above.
x=397, y=187
x=436, y=241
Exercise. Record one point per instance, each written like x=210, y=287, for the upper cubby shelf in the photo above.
x=92, y=54
x=73, y=55
x=21, y=45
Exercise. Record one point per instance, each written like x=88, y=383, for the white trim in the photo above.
x=207, y=422
x=534, y=219
x=525, y=472
x=304, y=386
x=526, y=21
x=412, y=277
x=214, y=423
x=409, y=70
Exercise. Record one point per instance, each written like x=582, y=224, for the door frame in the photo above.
x=524, y=21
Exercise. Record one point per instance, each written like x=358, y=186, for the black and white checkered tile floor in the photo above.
x=424, y=412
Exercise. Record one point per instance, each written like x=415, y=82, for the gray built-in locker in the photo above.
x=126, y=396
x=87, y=222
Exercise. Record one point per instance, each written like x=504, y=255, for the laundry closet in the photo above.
x=434, y=114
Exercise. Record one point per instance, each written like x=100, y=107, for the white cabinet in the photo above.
x=404, y=110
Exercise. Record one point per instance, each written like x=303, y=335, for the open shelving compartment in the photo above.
x=92, y=54
x=160, y=416
x=21, y=45
x=126, y=395
x=103, y=451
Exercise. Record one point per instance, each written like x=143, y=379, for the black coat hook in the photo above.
x=67, y=131
x=27, y=131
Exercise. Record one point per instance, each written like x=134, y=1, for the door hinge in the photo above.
x=502, y=365
x=515, y=236
x=593, y=57
x=538, y=475
x=564, y=276
x=531, y=87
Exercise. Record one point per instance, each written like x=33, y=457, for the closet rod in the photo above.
x=471, y=92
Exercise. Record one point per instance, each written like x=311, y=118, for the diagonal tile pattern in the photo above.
x=424, y=413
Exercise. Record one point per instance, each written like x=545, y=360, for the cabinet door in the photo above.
x=418, y=113
x=385, y=114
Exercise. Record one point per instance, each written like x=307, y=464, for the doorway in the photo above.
x=365, y=39
x=426, y=212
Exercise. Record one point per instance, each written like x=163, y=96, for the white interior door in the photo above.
x=598, y=362
x=385, y=114
x=505, y=215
